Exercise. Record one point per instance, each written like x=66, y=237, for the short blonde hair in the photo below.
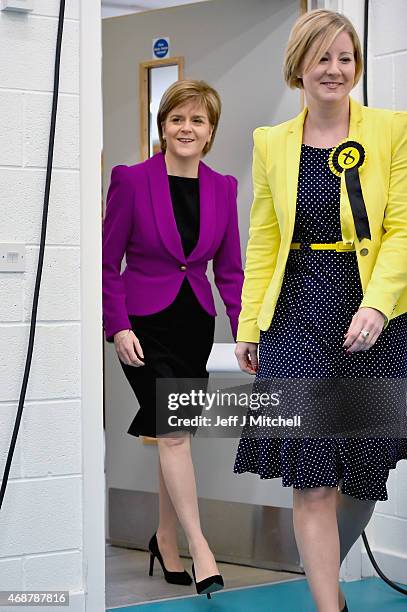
x=184, y=91
x=320, y=26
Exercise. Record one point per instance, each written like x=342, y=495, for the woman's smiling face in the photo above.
x=187, y=130
x=333, y=77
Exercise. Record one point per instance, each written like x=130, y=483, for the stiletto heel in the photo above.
x=208, y=585
x=172, y=577
x=150, y=573
x=345, y=608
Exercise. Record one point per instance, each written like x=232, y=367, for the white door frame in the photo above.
x=93, y=489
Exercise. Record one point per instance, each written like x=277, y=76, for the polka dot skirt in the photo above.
x=321, y=292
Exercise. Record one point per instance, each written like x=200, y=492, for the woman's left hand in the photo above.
x=365, y=320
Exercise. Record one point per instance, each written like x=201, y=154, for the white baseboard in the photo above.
x=393, y=565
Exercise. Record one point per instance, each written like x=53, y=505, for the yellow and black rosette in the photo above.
x=347, y=158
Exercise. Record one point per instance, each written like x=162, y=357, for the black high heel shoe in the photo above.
x=208, y=585
x=171, y=577
x=345, y=608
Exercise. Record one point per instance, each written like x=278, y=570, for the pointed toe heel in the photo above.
x=208, y=585
x=182, y=578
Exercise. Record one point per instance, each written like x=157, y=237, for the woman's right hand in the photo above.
x=128, y=348
x=246, y=355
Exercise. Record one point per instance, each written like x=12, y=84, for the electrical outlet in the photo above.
x=12, y=257
x=22, y=6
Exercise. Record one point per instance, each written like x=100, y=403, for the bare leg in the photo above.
x=167, y=528
x=316, y=533
x=353, y=515
x=179, y=477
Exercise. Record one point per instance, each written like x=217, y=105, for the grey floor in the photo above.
x=128, y=582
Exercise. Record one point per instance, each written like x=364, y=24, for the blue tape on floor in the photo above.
x=368, y=595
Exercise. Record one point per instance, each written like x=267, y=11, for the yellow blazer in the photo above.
x=382, y=261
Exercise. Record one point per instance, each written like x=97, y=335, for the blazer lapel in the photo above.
x=346, y=216
x=162, y=205
x=207, y=212
x=355, y=120
x=293, y=154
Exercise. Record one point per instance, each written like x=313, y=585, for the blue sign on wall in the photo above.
x=161, y=47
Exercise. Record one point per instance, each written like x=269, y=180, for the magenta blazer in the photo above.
x=140, y=223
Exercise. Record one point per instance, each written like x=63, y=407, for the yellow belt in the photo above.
x=325, y=246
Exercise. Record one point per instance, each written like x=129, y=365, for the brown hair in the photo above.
x=184, y=91
x=321, y=27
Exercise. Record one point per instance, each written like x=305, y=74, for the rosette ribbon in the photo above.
x=346, y=159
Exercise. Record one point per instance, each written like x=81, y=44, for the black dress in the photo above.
x=176, y=341
x=321, y=291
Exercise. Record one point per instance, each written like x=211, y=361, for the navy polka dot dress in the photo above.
x=320, y=293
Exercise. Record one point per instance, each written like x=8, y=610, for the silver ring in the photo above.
x=365, y=333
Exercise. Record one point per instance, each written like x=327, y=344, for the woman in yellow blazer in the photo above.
x=325, y=293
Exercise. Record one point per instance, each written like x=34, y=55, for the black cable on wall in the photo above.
x=33, y=320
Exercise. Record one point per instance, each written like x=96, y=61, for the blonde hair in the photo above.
x=182, y=92
x=321, y=27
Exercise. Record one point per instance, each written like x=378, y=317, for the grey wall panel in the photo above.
x=266, y=537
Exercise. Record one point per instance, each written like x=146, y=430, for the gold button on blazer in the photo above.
x=382, y=260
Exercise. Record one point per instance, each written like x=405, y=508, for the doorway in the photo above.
x=243, y=38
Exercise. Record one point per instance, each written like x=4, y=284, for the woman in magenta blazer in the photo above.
x=171, y=215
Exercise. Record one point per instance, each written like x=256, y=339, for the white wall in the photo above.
x=387, y=79
x=41, y=522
